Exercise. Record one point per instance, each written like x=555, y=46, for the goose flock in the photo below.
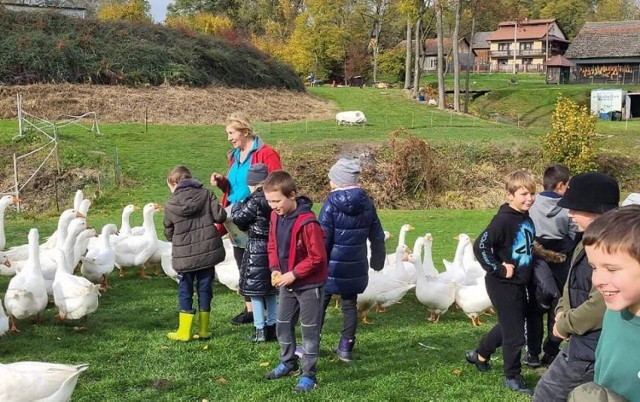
x=45, y=272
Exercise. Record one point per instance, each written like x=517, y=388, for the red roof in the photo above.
x=528, y=29
x=559, y=61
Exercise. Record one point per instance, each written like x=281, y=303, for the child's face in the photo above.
x=521, y=200
x=617, y=277
x=582, y=219
x=280, y=203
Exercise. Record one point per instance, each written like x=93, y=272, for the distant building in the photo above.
x=607, y=52
x=429, y=58
x=521, y=46
x=61, y=7
x=481, y=48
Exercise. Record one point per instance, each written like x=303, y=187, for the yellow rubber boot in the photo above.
x=184, y=328
x=203, y=332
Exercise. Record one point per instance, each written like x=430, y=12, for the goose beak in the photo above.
x=158, y=207
x=15, y=200
x=79, y=214
x=7, y=263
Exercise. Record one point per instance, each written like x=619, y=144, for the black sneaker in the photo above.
x=472, y=357
x=547, y=360
x=517, y=384
x=245, y=317
x=532, y=361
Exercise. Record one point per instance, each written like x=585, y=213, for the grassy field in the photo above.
x=399, y=357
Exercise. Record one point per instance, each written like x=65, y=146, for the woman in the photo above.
x=247, y=150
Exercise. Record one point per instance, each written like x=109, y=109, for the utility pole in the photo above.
x=515, y=43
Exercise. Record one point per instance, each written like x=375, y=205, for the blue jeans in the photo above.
x=203, y=279
x=260, y=303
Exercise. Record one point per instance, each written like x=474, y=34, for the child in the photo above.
x=189, y=224
x=504, y=249
x=581, y=307
x=612, y=244
x=252, y=215
x=348, y=218
x=556, y=232
x=298, y=262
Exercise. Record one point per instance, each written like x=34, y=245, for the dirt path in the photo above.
x=162, y=105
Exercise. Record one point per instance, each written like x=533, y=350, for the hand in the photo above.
x=559, y=316
x=556, y=333
x=510, y=268
x=216, y=178
x=284, y=280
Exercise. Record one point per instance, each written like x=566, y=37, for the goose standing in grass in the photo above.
x=227, y=272
x=381, y=292
x=58, y=236
x=434, y=294
x=81, y=244
x=76, y=297
x=5, y=265
x=135, y=251
x=100, y=261
x=4, y=321
x=473, y=300
x=38, y=381
x=428, y=266
x=5, y=201
x=402, y=239
x=26, y=295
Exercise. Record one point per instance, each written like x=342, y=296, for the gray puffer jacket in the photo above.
x=189, y=224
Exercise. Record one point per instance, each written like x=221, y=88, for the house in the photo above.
x=429, y=58
x=607, y=52
x=559, y=70
x=481, y=47
x=525, y=45
x=43, y=6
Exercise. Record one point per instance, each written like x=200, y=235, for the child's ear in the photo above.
x=293, y=195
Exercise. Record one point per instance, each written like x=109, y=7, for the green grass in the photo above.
x=400, y=357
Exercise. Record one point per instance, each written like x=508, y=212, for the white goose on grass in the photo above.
x=473, y=300
x=26, y=294
x=38, y=381
x=135, y=251
x=434, y=294
x=472, y=268
x=5, y=201
x=76, y=297
x=124, y=231
x=428, y=266
x=382, y=292
x=227, y=272
x=100, y=261
x=4, y=320
x=58, y=236
x=402, y=239
x=5, y=265
x=81, y=244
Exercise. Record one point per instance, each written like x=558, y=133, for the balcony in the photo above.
x=518, y=53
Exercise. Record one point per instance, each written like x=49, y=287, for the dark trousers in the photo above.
x=203, y=279
x=307, y=305
x=561, y=378
x=535, y=329
x=509, y=301
x=238, y=255
x=349, y=314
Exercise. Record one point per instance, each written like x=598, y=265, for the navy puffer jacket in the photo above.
x=253, y=216
x=348, y=218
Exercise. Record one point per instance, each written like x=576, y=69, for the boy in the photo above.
x=196, y=246
x=581, y=307
x=504, y=249
x=298, y=263
x=348, y=218
x=612, y=244
x=556, y=232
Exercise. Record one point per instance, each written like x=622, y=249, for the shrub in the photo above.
x=391, y=63
x=572, y=140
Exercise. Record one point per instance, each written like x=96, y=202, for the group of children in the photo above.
x=293, y=263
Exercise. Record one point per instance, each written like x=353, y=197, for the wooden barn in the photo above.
x=607, y=53
x=559, y=70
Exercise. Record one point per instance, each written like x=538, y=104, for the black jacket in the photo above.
x=252, y=215
x=189, y=224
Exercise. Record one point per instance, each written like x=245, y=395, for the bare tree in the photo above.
x=407, y=61
x=440, y=64
x=456, y=58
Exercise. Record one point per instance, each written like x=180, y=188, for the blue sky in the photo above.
x=159, y=9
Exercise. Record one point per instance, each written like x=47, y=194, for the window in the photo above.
x=502, y=62
x=527, y=60
x=526, y=45
x=504, y=46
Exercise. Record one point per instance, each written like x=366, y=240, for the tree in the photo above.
x=456, y=58
x=130, y=10
x=202, y=22
x=440, y=63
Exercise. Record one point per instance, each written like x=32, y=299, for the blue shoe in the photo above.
x=305, y=384
x=282, y=370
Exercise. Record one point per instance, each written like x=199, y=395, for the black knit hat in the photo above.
x=258, y=173
x=591, y=192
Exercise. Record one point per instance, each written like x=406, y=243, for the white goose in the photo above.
x=4, y=320
x=429, y=267
x=77, y=199
x=455, y=270
x=5, y=265
x=472, y=268
x=136, y=250
x=381, y=291
x=58, y=236
x=5, y=201
x=38, y=381
x=436, y=295
x=473, y=300
x=26, y=295
x=100, y=261
x=76, y=297
x=167, y=265
x=402, y=239
x=124, y=231
x=81, y=244
x=227, y=272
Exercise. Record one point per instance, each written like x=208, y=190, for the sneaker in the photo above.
x=517, y=384
x=282, y=370
x=299, y=351
x=547, y=360
x=532, y=361
x=305, y=384
x=245, y=317
x=472, y=357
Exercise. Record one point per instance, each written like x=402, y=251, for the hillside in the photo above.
x=53, y=48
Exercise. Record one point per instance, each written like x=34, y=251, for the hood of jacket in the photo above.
x=304, y=204
x=188, y=199
x=350, y=200
x=547, y=203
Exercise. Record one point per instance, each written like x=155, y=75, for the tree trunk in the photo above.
x=440, y=63
x=469, y=64
x=417, y=69
x=456, y=60
x=407, y=61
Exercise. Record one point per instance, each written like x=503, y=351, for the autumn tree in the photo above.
x=130, y=10
x=202, y=22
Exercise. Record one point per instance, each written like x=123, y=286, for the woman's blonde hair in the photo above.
x=240, y=122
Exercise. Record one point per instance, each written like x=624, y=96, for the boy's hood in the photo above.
x=188, y=198
x=349, y=201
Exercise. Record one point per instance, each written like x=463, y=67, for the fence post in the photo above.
x=15, y=179
x=412, y=119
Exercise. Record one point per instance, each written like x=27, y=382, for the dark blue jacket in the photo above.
x=348, y=218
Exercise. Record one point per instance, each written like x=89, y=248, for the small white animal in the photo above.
x=38, y=381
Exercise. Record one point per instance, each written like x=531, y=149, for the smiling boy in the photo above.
x=612, y=244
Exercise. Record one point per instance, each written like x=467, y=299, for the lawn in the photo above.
x=400, y=356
